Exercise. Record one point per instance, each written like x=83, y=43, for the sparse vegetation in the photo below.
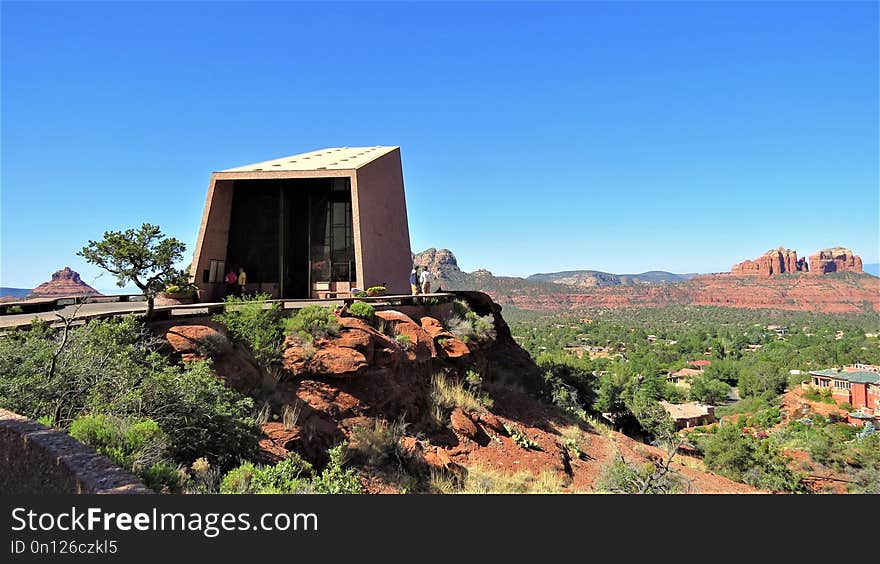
x=312, y=322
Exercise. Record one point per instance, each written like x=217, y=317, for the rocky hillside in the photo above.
x=834, y=292
x=65, y=282
x=401, y=390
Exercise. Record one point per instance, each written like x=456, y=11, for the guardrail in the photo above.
x=37, y=305
x=183, y=310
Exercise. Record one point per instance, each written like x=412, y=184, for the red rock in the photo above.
x=411, y=446
x=338, y=361
x=65, y=282
x=462, y=424
x=434, y=328
x=452, y=347
x=438, y=458
x=492, y=422
x=774, y=261
x=838, y=259
x=394, y=316
x=199, y=339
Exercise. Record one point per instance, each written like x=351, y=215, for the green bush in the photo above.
x=256, y=324
x=312, y=322
x=112, y=367
x=363, y=310
x=335, y=478
x=846, y=406
x=741, y=457
x=293, y=475
x=138, y=445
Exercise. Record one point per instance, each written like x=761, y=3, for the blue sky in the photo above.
x=621, y=137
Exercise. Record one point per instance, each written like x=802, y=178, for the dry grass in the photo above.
x=290, y=415
x=449, y=394
x=482, y=480
x=380, y=442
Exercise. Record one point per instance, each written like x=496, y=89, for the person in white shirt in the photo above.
x=425, y=279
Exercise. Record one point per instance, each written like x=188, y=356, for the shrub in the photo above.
x=112, y=367
x=741, y=457
x=256, y=324
x=363, y=310
x=312, y=322
x=405, y=341
x=138, y=445
x=293, y=475
x=520, y=437
x=201, y=415
x=846, y=406
x=335, y=479
x=465, y=324
x=380, y=442
x=376, y=290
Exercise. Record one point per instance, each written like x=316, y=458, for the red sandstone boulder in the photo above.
x=337, y=361
x=489, y=420
x=438, y=458
x=447, y=344
x=199, y=339
x=462, y=424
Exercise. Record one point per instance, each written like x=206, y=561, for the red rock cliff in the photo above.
x=774, y=261
x=838, y=259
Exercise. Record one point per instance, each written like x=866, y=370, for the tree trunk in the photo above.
x=149, y=314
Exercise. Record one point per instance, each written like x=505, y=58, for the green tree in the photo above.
x=708, y=390
x=142, y=256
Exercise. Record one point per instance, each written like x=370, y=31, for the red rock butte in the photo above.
x=838, y=259
x=781, y=261
x=65, y=282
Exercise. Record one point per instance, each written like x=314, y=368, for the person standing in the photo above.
x=231, y=280
x=242, y=280
x=414, y=281
x=425, y=280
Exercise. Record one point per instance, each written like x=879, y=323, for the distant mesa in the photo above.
x=65, y=282
x=781, y=261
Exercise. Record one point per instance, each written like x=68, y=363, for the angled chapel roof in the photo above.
x=334, y=158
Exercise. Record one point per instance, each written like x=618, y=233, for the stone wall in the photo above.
x=35, y=459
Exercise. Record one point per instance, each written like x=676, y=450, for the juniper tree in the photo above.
x=141, y=256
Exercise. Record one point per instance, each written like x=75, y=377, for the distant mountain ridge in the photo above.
x=13, y=292
x=597, y=278
x=839, y=292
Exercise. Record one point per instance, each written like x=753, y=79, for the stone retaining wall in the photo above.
x=35, y=459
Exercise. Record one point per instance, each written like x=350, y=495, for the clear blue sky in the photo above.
x=622, y=137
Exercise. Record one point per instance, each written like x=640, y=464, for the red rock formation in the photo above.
x=774, y=261
x=838, y=259
x=440, y=262
x=65, y=282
